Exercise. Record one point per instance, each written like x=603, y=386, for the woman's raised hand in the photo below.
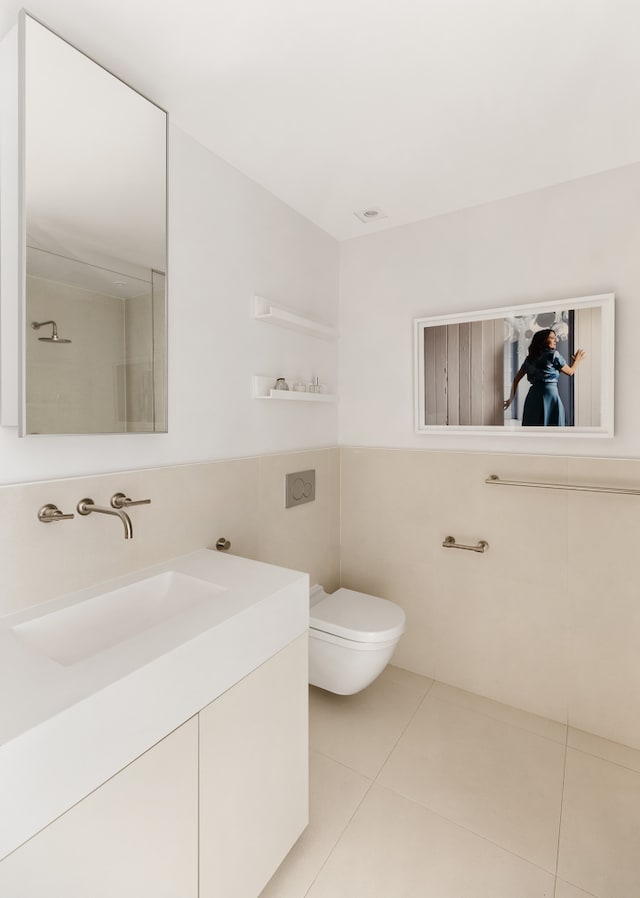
x=578, y=356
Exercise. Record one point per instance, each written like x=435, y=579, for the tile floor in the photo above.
x=420, y=790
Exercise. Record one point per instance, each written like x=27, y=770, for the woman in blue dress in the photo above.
x=542, y=366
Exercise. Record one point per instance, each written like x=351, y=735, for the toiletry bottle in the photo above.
x=315, y=386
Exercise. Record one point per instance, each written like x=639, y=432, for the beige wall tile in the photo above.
x=191, y=507
x=411, y=587
x=546, y=620
x=604, y=622
x=400, y=504
x=487, y=623
x=504, y=640
x=41, y=561
x=298, y=537
x=332, y=579
x=194, y=505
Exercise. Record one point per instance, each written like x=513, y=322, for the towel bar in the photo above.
x=494, y=479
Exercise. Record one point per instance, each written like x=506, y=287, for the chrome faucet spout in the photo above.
x=87, y=506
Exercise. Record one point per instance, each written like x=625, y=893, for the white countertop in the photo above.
x=64, y=730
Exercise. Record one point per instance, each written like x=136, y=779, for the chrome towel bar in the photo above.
x=449, y=542
x=494, y=479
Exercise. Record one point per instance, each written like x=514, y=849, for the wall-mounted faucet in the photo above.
x=88, y=506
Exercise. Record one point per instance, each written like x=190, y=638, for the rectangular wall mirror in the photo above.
x=545, y=368
x=93, y=316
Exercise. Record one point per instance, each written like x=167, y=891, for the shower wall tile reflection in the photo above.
x=74, y=387
x=108, y=372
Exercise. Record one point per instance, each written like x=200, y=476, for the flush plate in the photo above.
x=300, y=487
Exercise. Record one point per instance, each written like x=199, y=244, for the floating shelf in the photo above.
x=263, y=389
x=264, y=310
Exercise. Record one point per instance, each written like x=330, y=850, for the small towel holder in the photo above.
x=449, y=542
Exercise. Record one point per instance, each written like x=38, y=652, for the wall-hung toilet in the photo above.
x=352, y=637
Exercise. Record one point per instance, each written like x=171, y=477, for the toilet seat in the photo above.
x=352, y=644
x=357, y=617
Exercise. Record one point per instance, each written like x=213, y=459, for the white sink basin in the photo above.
x=79, y=631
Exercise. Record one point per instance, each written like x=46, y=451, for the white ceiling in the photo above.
x=418, y=107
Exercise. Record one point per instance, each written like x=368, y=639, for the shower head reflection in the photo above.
x=54, y=338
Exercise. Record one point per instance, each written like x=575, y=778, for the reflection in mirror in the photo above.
x=545, y=368
x=95, y=215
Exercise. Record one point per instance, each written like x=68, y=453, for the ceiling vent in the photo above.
x=370, y=214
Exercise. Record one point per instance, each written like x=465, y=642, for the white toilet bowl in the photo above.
x=352, y=637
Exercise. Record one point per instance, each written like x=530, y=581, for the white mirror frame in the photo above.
x=604, y=301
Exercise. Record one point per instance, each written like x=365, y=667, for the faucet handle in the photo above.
x=49, y=513
x=119, y=500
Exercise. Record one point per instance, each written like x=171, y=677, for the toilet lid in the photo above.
x=358, y=616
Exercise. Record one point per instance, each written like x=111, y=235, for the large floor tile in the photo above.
x=361, y=730
x=335, y=793
x=600, y=831
x=394, y=848
x=493, y=778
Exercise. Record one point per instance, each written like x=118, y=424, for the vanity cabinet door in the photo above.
x=254, y=776
x=134, y=837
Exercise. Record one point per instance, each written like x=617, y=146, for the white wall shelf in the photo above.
x=270, y=313
x=263, y=389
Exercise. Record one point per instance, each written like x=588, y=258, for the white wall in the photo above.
x=228, y=239
x=576, y=239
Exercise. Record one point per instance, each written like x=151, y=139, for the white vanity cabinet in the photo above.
x=134, y=837
x=254, y=776
x=208, y=812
